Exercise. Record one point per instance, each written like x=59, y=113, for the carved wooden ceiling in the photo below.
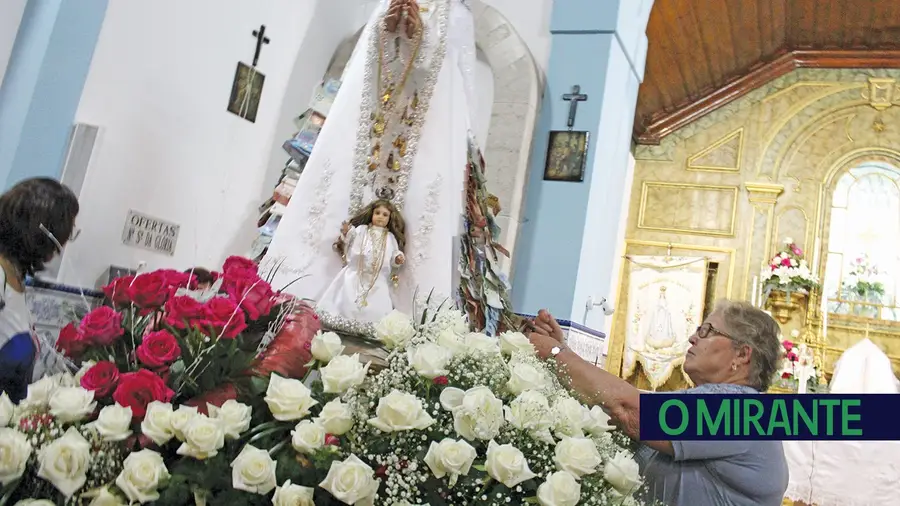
x=705, y=53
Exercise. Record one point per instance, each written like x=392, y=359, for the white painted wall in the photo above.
x=10, y=17
x=158, y=87
x=531, y=18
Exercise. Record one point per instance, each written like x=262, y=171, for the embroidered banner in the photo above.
x=665, y=305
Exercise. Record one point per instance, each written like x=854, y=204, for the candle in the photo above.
x=815, y=259
x=824, y=318
x=755, y=293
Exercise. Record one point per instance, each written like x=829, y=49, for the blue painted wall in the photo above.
x=567, y=240
x=43, y=84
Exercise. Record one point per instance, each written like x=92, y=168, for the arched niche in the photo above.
x=516, y=104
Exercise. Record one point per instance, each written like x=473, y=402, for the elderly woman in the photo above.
x=735, y=351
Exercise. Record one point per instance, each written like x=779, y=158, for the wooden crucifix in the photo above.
x=573, y=99
x=260, y=40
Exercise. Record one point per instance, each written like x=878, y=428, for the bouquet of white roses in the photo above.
x=788, y=271
x=455, y=418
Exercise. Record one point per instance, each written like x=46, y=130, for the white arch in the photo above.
x=517, y=97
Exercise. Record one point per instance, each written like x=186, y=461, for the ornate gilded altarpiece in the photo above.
x=733, y=184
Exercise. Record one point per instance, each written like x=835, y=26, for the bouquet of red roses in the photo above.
x=164, y=339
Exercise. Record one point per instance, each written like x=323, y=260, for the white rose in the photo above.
x=103, y=497
x=623, y=473
x=14, y=453
x=571, y=417
x=400, y=411
x=72, y=404
x=143, y=474
x=114, y=423
x=336, y=418
x=7, y=409
x=429, y=360
x=253, y=471
x=351, y=481
x=598, y=422
x=65, y=462
x=450, y=340
x=85, y=367
x=395, y=330
x=524, y=376
x=180, y=420
x=289, y=494
x=342, y=373
x=39, y=393
x=515, y=342
x=477, y=412
x=450, y=457
x=530, y=411
x=203, y=437
x=477, y=343
x=578, y=456
x=234, y=416
x=307, y=437
x=560, y=489
x=325, y=346
x=157, y=423
x=65, y=379
x=288, y=399
x=507, y=464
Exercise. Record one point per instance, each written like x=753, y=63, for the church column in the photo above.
x=43, y=83
x=763, y=197
x=566, y=251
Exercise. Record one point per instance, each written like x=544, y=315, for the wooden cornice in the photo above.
x=661, y=124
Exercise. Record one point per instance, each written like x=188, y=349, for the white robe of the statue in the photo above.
x=849, y=473
x=342, y=296
x=301, y=249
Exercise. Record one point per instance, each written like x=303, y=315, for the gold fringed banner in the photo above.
x=665, y=305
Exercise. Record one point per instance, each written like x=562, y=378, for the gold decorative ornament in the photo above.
x=784, y=306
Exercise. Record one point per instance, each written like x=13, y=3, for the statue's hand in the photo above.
x=394, y=15
x=345, y=228
x=413, y=20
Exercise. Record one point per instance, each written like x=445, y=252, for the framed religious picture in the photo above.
x=566, y=156
x=246, y=92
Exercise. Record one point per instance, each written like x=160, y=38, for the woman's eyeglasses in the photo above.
x=703, y=331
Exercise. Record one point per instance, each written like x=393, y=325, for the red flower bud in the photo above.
x=332, y=440
x=441, y=380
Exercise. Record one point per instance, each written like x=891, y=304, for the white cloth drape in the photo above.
x=302, y=245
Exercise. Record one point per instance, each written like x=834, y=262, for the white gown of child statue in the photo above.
x=362, y=291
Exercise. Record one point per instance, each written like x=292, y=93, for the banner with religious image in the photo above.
x=665, y=306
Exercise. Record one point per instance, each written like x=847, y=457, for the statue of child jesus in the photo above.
x=371, y=246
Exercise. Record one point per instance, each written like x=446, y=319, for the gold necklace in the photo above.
x=377, y=263
x=385, y=102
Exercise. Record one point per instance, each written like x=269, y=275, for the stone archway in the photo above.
x=517, y=98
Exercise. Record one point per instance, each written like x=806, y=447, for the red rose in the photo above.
x=785, y=375
x=254, y=295
x=158, y=349
x=138, y=389
x=792, y=356
x=118, y=291
x=788, y=345
x=175, y=279
x=786, y=262
x=332, y=440
x=224, y=317
x=101, y=326
x=101, y=379
x=184, y=312
x=150, y=291
x=70, y=342
x=239, y=263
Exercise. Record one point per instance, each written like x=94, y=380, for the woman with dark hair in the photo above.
x=37, y=218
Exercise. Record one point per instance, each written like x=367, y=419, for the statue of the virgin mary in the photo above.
x=400, y=130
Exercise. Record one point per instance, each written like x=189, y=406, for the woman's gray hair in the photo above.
x=753, y=327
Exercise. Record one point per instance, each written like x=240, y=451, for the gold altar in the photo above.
x=775, y=163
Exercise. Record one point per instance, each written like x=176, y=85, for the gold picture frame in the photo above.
x=567, y=156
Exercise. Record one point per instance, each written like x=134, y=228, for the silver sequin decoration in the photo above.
x=436, y=52
x=344, y=325
x=421, y=240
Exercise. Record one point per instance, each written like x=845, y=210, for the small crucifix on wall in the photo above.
x=246, y=90
x=568, y=149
